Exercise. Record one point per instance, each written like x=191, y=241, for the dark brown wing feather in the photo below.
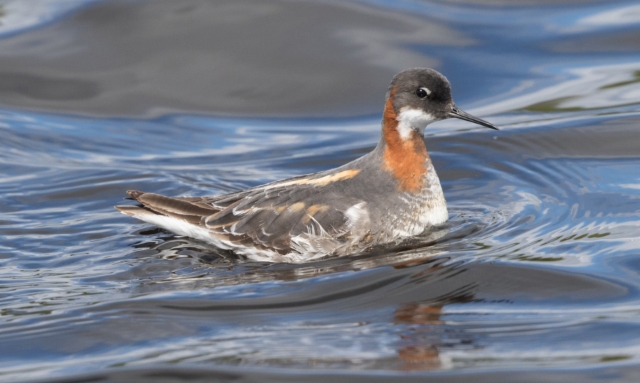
x=264, y=217
x=172, y=207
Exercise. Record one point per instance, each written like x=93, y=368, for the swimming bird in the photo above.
x=390, y=194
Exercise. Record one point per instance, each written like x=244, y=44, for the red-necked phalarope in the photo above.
x=387, y=195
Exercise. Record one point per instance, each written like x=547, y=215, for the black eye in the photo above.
x=422, y=93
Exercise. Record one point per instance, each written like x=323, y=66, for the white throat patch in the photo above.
x=413, y=120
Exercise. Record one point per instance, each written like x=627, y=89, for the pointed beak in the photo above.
x=457, y=113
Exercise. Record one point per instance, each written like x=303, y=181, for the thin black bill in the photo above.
x=457, y=113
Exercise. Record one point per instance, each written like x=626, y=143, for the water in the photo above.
x=534, y=277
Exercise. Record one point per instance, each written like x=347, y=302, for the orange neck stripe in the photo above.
x=405, y=159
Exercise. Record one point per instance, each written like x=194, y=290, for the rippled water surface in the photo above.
x=535, y=276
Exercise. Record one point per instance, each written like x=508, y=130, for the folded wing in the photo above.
x=305, y=219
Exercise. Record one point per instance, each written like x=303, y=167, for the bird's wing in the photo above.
x=283, y=216
x=274, y=217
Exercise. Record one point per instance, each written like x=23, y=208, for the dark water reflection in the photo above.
x=536, y=271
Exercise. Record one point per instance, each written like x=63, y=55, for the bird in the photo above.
x=384, y=197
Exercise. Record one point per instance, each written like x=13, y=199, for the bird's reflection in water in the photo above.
x=417, y=351
x=427, y=332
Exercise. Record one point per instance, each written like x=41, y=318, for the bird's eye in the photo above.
x=423, y=92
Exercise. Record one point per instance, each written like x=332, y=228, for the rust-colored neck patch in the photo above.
x=406, y=158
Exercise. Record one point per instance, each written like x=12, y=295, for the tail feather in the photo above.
x=133, y=211
x=155, y=204
x=134, y=194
